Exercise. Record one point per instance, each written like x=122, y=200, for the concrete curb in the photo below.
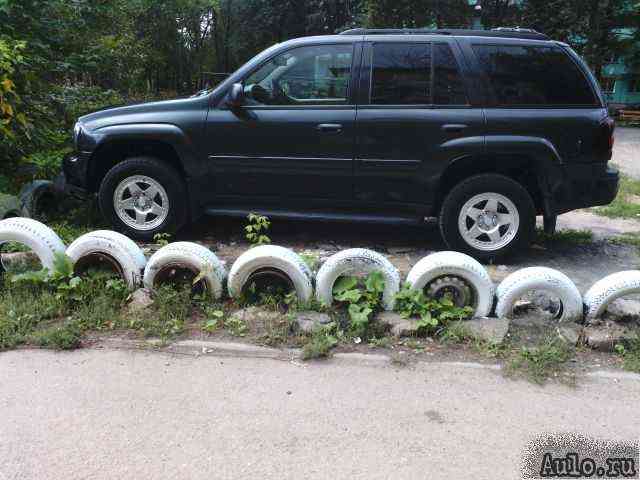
x=198, y=348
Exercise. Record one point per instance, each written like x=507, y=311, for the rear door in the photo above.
x=413, y=113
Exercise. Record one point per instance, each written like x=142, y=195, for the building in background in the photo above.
x=621, y=77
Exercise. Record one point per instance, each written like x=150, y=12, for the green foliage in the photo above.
x=170, y=310
x=162, y=239
x=321, y=343
x=47, y=163
x=575, y=237
x=66, y=337
x=630, y=354
x=12, y=119
x=626, y=204
x=256, y=230
x=361, y=297
x=433, y=314
x=236, y=326
x=543, y=362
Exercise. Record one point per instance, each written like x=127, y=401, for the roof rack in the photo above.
x=504, y=32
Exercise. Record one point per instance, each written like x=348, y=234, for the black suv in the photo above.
x=484, y=129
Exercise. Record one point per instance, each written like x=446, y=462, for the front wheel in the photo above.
x=488, y=216
x=142, y=197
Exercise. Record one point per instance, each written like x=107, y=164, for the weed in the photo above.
x=66, y=337
x=171, y=307
x=236, y=326
x=630, y=355
x=278, y=331
x=540, y=363
x=382, y=342
x=311, y=259
x=632, y=239
x=162, y=239
x=433, y=314
x=574, y=237
x=256, y=230
x=362, y=298
x=215, y=319
x=321, y=343
x=626, y=204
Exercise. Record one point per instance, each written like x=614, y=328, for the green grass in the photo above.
x=632, y=239
x=624, y=206
x=575, y=237
x=630, y=355
x=548, y=360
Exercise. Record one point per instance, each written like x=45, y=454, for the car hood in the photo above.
x=152, y=112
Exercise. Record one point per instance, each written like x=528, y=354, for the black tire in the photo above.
x=157, y=170
x=485, y=183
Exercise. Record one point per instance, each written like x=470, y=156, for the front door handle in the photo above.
x=329, y=128
x=454, y=127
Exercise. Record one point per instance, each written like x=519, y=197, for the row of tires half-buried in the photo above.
x=443, y=272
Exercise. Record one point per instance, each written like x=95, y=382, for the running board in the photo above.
x=317, y=216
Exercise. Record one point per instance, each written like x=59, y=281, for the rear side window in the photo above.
x=448, y=86
x=401, y=74
x=415, y=74
x=534, y=76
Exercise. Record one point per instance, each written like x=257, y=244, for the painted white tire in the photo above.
x=32, y=195
x=271, y=256
x=10, y=207
x=512, y=288
x=119, y=248
x=188, y=255
x=43, y=241
x=354, y=261
x=610, y=288
x=459, y=265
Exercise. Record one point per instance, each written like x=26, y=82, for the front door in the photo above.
x=295, y=134
x=412, y=122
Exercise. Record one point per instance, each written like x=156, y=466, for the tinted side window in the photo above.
x=448, y=88
x=315, y=75
x=401, y=74
x=532, y=75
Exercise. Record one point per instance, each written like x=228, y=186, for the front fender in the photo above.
x=154, y=132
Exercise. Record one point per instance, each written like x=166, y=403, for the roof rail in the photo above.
x=504, y=32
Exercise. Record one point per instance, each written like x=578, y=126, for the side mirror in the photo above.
x=236, y=94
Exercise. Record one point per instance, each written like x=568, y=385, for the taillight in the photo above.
x=611, y=124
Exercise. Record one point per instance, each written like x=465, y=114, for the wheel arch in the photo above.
x=114, y=151
x=532, y=162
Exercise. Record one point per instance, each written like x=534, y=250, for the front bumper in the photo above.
x=586, y=186
x=75, y=171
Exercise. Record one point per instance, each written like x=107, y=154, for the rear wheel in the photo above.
x=488, y=216
x=142, y=197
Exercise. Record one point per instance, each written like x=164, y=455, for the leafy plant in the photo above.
x=432, y=313
x=236, y=326
x=362, y=297
x=214, y=320
x=321, y=342
x=256, y=230
x=630, y=355
x=162, y=239
x=546, y=360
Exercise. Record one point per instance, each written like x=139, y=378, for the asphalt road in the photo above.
x=94, y=414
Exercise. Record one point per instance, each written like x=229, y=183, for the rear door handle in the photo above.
x=329, y=128
x=454, y=127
